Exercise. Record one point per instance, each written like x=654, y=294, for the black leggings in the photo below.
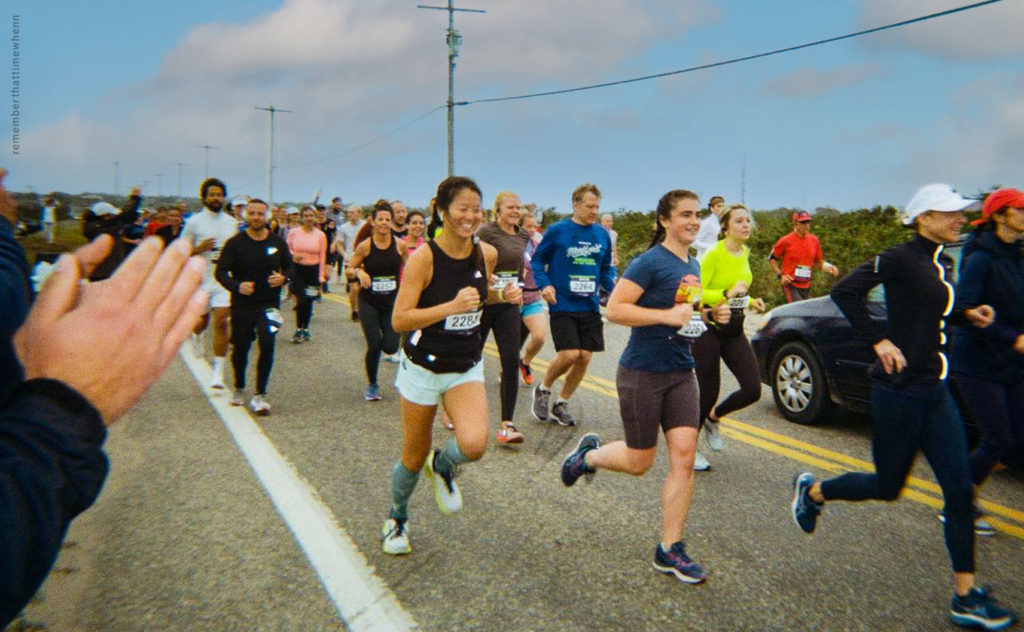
x=998, y=410
x=708, y=352
x=306, y=277
x=504, y=320
x=919, y=417
x=249, y=322
x=376, y=323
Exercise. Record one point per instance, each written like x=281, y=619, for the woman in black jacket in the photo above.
x=911, y=404
x=987, y=364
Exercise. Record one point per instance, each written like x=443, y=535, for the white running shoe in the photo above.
x=238, y=398
x=197, y=345
x=712, y=434
x=391, y=357
x=700, y=464
x=217, y=374
x=259, y=406
x=446, y=491
x=395, y=537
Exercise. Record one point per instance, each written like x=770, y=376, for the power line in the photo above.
x=737, y=60
x=366, y=144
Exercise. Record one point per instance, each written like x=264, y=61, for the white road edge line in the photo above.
x=363, y=600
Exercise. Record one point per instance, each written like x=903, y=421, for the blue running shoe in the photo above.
x=977, y=609
x=372, y=393
x=678, y=563
x=575, y=464
x=805, y=510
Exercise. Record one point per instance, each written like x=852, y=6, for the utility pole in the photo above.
x=743, y=180
x=180, y=165
x=270, y=152
x=117, y=177
x=454, y=40
x=159, y=184
x=206, y=164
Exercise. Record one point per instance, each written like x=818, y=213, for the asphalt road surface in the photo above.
x=212, y=520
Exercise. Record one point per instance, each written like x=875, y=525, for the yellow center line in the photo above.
x=918, y=490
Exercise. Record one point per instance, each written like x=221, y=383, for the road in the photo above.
x=186, y=535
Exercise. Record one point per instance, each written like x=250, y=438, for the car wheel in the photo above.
x=798, y=384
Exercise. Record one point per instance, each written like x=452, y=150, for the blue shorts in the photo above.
x=424, y=387
x=536, y=307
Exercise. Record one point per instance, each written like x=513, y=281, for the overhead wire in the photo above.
x=736, y=60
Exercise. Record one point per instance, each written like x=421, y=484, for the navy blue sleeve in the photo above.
x=607, y=278
x=542, y=257
x=15, y=300
x=970, y=290
x=850, y=294
x=51, y=469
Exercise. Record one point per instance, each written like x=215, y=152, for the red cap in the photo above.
x=998, y=200
x=801, y=216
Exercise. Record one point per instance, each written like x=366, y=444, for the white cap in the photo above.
x=104, y=208
x=936, y=197
x=239, y=201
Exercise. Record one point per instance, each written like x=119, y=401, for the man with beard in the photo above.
x=253, y=266
x=207, y=231
x=398, y=226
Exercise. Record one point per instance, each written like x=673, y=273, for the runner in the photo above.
x=912, y=407
x=710, y=226
x=987, y=365
x=376, y=264
x=329, y=228
x=207, y=231
x=535, y=320
x=608, y=222
x=398, y=220
x=655, y=380
x=573, y=258
x=503, y=318
x=345, y=245
x=439, y=302
x=725, y=277
x=308, y=246
x=799, y=253
x=253, y=266
x=417, y=231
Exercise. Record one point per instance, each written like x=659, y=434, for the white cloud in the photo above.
x=987, y=32
x=813, y=82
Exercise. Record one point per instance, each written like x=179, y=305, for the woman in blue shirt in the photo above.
x=657, y=388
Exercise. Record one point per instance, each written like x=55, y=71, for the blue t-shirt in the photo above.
x=575, y=259
x=663, y=276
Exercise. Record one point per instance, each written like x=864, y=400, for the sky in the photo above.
x=851, y=124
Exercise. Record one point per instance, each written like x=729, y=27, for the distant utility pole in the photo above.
x=117, y=177
x=180, y=165
x=206, y=164
x=270, y=151
x=454, y=40
x=743, y=180
x=159, y=184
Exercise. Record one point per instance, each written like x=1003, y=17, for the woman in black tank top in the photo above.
x=444, y=287
x=377, y=262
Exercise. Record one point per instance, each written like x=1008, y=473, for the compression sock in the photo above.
x=449, y=457
x=402, y=483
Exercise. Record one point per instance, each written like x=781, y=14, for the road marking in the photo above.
x=363, y=600
x=917, y=489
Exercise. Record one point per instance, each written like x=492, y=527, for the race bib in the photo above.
x=582, y=285
x=802, y=273
x=383, y=285
x=463, y=322
x=739, y=302
x=312, y=291
x=504, y=278
x=694, y=328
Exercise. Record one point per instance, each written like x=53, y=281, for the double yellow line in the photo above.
x=1005, y=519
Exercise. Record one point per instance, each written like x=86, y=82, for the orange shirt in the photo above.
x=798, y=257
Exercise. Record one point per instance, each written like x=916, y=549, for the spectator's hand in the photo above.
x=247, y=288
x=721, y=313
x=981, y=316
x=548, y=294
x=276, y=279
x=111, y=340
x=890, y=355
x=679, y=315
